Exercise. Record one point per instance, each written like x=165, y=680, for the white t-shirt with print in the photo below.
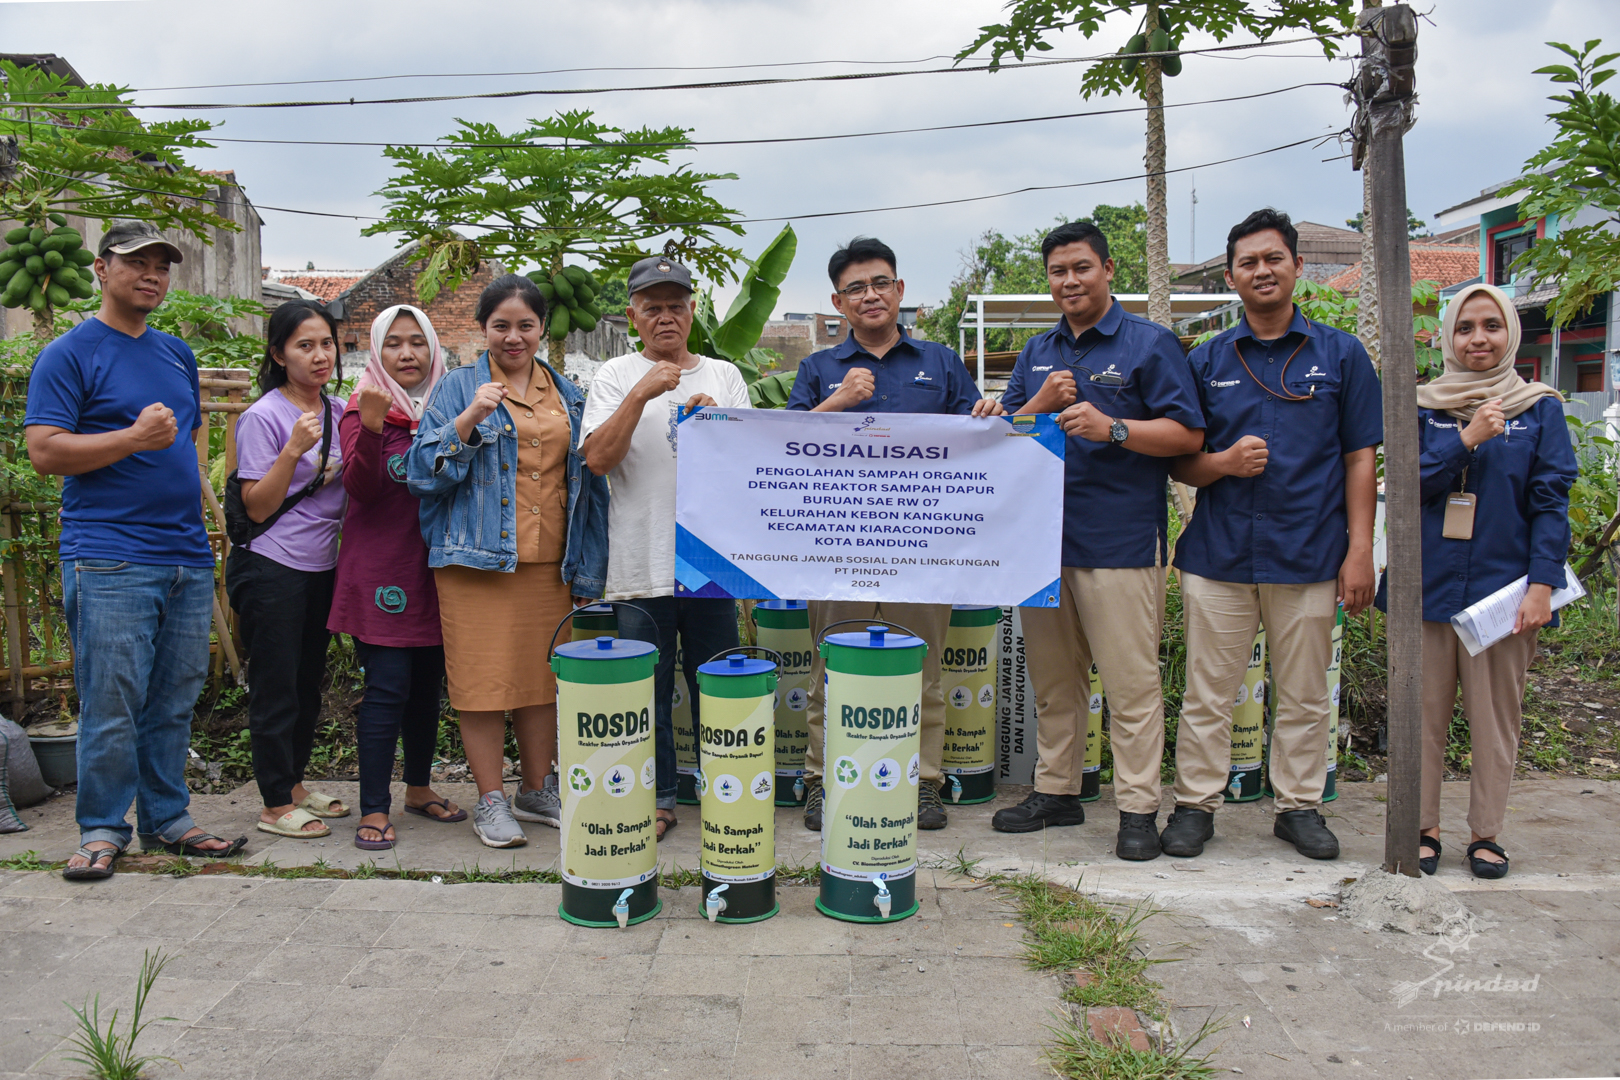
x=641, y=514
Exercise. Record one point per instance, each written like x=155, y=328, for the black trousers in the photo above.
x=404, y=692
x=282, y=614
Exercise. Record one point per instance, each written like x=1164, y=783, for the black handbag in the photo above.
x=241, y=529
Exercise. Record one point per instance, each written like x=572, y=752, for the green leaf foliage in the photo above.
x=563, y=187
x=1028, y=22
x=759, y=289
x=1577, y=174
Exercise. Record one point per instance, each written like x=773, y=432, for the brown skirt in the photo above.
x=495, y=629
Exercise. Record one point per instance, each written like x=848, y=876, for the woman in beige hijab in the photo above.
x=1496, y=467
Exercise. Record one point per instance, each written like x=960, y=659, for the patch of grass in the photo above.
x=108, y=1054
x=1066, y=931
x=799, y=873
x=27, y=860
x=1076, y=1054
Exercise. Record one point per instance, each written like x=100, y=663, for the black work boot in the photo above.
x=1187, y=831
x=1038, y=811
x=1309, y=834
x=1138, y=837
x=930, y=808
x=812, y=805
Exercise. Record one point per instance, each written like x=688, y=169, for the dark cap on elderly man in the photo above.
x=128, y=237
x=658, y=270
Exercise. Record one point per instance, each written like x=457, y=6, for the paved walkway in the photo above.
x=375, y=978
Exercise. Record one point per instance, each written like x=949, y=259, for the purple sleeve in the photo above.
x=259, y=439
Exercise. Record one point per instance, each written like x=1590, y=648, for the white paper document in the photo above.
x=1483, y=624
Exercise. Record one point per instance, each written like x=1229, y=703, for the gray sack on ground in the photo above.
x=20, y=782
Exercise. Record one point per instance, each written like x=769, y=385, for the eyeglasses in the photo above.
x=882, y=286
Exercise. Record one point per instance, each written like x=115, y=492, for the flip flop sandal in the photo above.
x=1431, y=862
x=188, y=846
x=320, y=804
x=384, y=844
x=1484, y=868
x=423, y=811
x=665, y=824
x=292, y=824
x=95, y=871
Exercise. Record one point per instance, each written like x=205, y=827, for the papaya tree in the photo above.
x=71, y=149
x=563, y=188
x=1143, y=63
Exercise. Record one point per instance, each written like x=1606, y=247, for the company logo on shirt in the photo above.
x=1048, y=367
x=1449, y=427
x=1316, y=373
x=1516, y=425
x=1217, y=384
x=1111, y=369
x=923, y=376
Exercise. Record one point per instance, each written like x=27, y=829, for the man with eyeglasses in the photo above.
x=880, y=368
x=1126, y=399
x=1282, y=535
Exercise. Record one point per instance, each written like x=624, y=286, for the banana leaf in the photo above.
x=757, y=294
x=772, y=391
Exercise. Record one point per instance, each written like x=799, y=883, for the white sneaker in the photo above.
x=494, y=824
x=542, y=804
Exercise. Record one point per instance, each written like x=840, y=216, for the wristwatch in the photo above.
x=1118, y=432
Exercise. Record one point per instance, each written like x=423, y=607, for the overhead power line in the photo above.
x=668, y=226
x=858, y=76
x=764, y=141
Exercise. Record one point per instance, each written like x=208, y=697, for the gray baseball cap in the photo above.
x=658, y=270
x=127, y=237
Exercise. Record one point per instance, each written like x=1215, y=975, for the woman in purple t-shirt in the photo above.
x=384, y=597
x=280, y=582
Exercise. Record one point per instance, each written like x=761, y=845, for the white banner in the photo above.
x=904, y=507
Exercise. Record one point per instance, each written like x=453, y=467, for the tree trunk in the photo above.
x=555, y=349
x=45, y=326
x=1367, y=299
x=1158, y=227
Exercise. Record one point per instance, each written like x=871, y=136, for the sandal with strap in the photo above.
x=323, y=805
x=292, y=824
x=189, y=846
x=1431, y=862
x=95, y=870
x=1485, y=868
x=382, y=843
x=665, y=823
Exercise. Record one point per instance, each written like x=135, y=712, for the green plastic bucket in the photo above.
x=968, y=680
x=1243, y=782
x=737, y=784
x=873, y=760
x=783, y=626
x=686, y=753
x=594, y=621
x=1331, y=789
x=1091, y=771
x=609, y=778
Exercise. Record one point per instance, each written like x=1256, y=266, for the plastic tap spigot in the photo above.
x=883, y=899
x=714, y=903
x=621, y=909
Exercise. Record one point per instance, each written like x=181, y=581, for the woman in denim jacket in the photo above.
x=515, y=527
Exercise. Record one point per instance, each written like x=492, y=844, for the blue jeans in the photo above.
x=705, y=626
x=404, y=695
x=140, y=646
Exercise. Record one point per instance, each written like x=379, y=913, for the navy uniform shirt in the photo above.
x=915, y=376
x=1521, y=481
x=1287, y=525
x=1114, y=505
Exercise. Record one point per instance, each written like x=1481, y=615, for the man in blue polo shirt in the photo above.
x=1282, y=534
x=880, y=368
x=106, y=404
x=1129, y=406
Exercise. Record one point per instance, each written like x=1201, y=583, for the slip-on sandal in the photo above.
x=384, y=844
x=292, y=824
x=320, y=804
x=1484, y=868
x=1431, y=862
x=188, y=846
x=665, y=824
x=423, y=811
x=96, y=870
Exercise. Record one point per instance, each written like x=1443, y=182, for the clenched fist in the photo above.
x=1056, y=393
x=155, y=428
x=306, y=432
x=664, y=376
x=1488, y=423
x=858, y=386
x=374, y=405
x=1247, y=457
x=485, y=401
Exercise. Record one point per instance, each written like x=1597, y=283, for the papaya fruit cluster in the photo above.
x=571, y=298
x=45, y=266
x=1158, y=41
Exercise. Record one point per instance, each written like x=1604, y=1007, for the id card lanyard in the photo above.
x=1460, y=505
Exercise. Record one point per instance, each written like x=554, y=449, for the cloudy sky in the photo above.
x=1481, y=111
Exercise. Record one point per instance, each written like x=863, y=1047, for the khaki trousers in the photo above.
x=930, y=622
x=1493, y=696
x=1113, y=618
x=1222, y=618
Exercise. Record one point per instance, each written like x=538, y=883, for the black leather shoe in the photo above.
x=1038, y=811
x=1138, y=837
x=1187, y=831
x=1309, y=834
x=812, y=805
x=930, y=808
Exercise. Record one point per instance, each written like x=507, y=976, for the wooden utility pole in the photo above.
x=1384, y=93
x=1367, y=297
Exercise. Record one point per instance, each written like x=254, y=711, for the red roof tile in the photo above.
x=325, y=286
x=1446, y=264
